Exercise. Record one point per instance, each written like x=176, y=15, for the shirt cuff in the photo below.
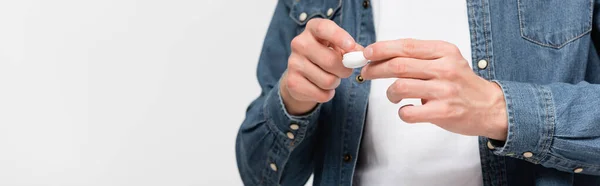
x=290, y=127
x=530, y=111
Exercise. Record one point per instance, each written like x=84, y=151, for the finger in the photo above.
x=319, y=77
x=327, y=30
x=431, y=112
x=401, y=68
x=411, y=48
x=412, y=88
x=357, y=47
x=302, y=89
x=326, y=58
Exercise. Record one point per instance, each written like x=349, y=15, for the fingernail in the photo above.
x=348, y=45
x=368, y=52
x=406, y=106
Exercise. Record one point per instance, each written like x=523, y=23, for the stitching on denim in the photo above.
x=362, y=39
x=492, y=61
x=485, y=36
x=546, y=132
x=557, y=46
x=283, y=162
x=549, y=45
x=544, y=118
x=473, y=34
x=511, y=120
x=265, y=113
x=341, y=10
x=510, y=113
x=550, y=122
x=486, y=39
x=303, y=121
x=571, y=162
x=264, y=106
x=344, y=144
x=345, y=138
x=507, y=145
x=483, y=156
x=335, y=10
x=273, y=152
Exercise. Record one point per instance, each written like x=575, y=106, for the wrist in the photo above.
x=498, y=128
x=293, y=106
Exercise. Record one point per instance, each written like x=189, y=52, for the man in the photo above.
x=485, y=93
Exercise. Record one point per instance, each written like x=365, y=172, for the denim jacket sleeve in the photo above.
x=272, y=146
x=556, y=125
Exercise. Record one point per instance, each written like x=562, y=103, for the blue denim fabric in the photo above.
x=542, y=53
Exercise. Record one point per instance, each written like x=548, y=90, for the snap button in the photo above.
x=482, y=64
x=303, y=16
x=490, y=146
x=347, y=158
x=329, y=12
x=273, y=167
x=294, y=126
x=365, y=4
x=528, y=154
x=290, y=135
x=359, y=79
x=578, y=170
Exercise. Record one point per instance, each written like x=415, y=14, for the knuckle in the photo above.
x=295, y=64
x=330, y=82
x=450, y=91
x=313, y=22
x=453, y=91
x=322, y=26
x=328, y=63
x=445, y=110
x=398, y=67
x=408, y=45
x=438, y=70
x=448, y=72
x=330, y=60
x=457, y=112
x=463, y=63
x=292, y=82
x=453, y=49
x=323, y=97
x=448, y=47
x=451, y=74
x=336, y=57
x=299, y=43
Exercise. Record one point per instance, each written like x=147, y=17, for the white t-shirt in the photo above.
x=394, y=152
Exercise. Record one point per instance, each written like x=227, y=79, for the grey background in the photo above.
x=126, y=92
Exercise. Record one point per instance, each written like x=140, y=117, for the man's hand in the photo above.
x=454, y=97
x=315, y=65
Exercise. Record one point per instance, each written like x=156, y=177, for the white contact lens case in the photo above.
x=354, y=60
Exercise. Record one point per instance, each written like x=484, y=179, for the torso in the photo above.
x=394, y=152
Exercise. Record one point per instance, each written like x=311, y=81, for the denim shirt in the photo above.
x=541, y=53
